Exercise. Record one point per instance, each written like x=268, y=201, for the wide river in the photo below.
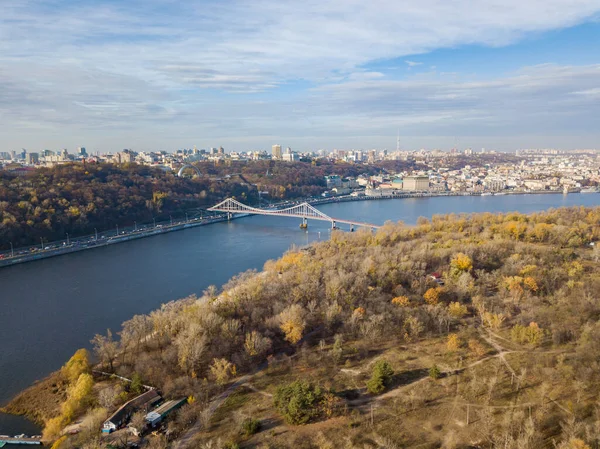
x=50, y=308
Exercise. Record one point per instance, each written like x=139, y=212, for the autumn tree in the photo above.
x=77, y=365
x=222, y=369
x=460, y=263
x=292, y=323
x=106, y=348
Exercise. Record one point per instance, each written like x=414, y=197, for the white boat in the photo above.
x=589, y=190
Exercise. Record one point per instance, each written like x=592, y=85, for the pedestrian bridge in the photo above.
x=303, y=211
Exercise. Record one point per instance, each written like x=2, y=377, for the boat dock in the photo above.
x=19, y=439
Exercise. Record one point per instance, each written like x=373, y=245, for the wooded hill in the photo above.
x=463, y=331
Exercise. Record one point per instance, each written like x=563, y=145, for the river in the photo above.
x=50, y=308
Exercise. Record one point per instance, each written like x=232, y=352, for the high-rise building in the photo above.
x=32, y=158
x=82, y=151
x=221, y=150
x=276, y=152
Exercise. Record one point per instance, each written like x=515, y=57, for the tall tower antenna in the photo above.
x=398, y=141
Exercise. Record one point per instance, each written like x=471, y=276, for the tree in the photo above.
x=138, y=422
x=107, y=396
x=222, y=369
x=457, y=310
x=401, y=301
x=292, y=323
x=77, y=365
x=381, y=377
x=105, y=348
x=255, y=344
x=432, y=296
x=298, y=401
x=137, y=386
x=453, y=344
x=460, y=263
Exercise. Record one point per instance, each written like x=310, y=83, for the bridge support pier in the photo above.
x=333, y=226
x=351, y=228
x=228, y=216
x=304, y=224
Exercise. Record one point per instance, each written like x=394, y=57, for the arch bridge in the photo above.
x=303, y=211
x=193, y=167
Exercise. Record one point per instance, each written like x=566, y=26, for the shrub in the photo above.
x=434, y=372
x=298, y=401
x=457, y=310
x=380, y=378
x=250, y=426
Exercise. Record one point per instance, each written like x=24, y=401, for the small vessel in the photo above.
x=589, y=190
x=486, y=194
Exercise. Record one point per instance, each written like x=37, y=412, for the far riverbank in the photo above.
x=54, y=249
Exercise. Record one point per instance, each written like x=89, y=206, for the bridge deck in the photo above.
x=303, y=211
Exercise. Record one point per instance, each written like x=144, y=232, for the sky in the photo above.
x=310, y=74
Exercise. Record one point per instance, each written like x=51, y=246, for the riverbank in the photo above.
x=40, y=401
x=91, y=243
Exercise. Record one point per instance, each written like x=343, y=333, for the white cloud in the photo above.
x=412, y=63
x=76, y=67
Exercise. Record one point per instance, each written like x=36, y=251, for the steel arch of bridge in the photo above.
x=304, y=211
x=193, y=167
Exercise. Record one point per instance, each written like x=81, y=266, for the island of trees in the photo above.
x=463, y=331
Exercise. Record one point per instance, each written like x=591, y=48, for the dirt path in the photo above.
x=188, y=436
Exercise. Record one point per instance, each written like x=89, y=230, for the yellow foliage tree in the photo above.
x=221, y=369
x=453, y=343
x=292, y=323
x=78, y=364
x=530, y=283
x=493, y=320
x=401, y=301
x=53, y=428
x=457, y=310
x=433, y=295
x=460, y=263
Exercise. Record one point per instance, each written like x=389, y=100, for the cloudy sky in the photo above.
x=168, y=74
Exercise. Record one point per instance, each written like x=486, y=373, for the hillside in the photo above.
x=463, y=331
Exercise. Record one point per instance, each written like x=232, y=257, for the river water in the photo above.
x=50, y=308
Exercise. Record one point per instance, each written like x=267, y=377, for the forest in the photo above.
x=78, y=198
x=464, y=331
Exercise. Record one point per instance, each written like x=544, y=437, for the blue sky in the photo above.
x=162, y=74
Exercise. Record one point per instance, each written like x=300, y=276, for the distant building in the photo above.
x=32, y=158
x=415, y=183
x=290, y=156
x=333, y=181
x=82, y=151
x=276, y=152
x=221, y=150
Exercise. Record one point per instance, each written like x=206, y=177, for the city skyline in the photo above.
x=153, y=75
